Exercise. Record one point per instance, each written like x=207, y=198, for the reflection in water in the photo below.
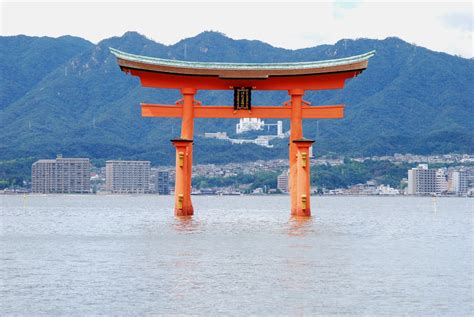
x=185, y=224
x=299, y=226
x=435, y=207
x=184, y=261
x=299, y=262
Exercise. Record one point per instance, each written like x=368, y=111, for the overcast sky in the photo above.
x=438, y=25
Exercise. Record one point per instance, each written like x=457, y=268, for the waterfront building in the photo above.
x=282, y=182
x=441, y=181
x=162, y=182
x=61, y=175
x=421, y=180
x=387, y=190
x=459, y=181
x=127, y=177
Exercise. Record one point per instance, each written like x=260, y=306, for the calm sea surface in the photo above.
x=128, y=255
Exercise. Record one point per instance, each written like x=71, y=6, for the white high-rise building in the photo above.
x=61, y=175
x=280, y=133
x=127, y=176
x=441, y=181
x=459, y=180
x=421, y=180
x=249, y=124
x=282, y=181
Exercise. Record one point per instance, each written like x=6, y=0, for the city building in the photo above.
x=127, y=177
x=459, y=182
x=387, y=190
x=441, y=181
x=282, y=182
x=256, y=124
x=421, y=180
x=216, y=135
x=162, y=182
x=263, y=140
x=252, y=124
x=61, y=175
x=249, y=124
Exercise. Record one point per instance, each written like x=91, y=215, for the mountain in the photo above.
x=67, y=95
x=24, y=61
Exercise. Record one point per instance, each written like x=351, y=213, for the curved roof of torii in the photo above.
x=241, y=70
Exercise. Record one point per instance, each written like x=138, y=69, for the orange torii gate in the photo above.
x=296, y=78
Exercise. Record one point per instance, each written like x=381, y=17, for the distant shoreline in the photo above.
x=243, y=195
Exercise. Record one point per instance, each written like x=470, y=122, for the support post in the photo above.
x=303, y=185
x=184, y=156
x=296, y=132
x=182, y=193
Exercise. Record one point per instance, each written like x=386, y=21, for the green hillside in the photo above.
x=68, y=96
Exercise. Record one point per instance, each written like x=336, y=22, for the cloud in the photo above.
x=342, y=7
x=440, y=26
x=346, y=4
x=459, y=20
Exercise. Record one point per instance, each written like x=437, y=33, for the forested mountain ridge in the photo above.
x=68, y=96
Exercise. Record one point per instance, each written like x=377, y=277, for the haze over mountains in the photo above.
x=67, y=95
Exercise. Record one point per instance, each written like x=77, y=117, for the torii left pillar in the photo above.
x=302, y=190
x=184, y=157
x=299, y=182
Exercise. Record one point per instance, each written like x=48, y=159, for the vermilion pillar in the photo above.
x=184, y=156
x=187, y=123
x=182, y=192
x=303, y=185
x=296, y=132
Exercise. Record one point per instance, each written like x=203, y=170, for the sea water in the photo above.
x=128, y=255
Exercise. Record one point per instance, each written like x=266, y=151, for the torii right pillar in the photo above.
x=299, y=184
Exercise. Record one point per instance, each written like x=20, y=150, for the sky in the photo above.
x=445, y=26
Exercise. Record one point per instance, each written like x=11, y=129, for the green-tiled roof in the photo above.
x=238, y=66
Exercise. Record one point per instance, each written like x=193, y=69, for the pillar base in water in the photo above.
x=300, y=205
x=184, y=212
x=183, y=206
x=303, y=213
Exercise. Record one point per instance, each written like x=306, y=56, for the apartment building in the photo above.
x=162, y=182
x=421, y=180
x=61, y=176
x=127, y=177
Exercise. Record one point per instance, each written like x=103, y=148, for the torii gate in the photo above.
x=296, y=78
